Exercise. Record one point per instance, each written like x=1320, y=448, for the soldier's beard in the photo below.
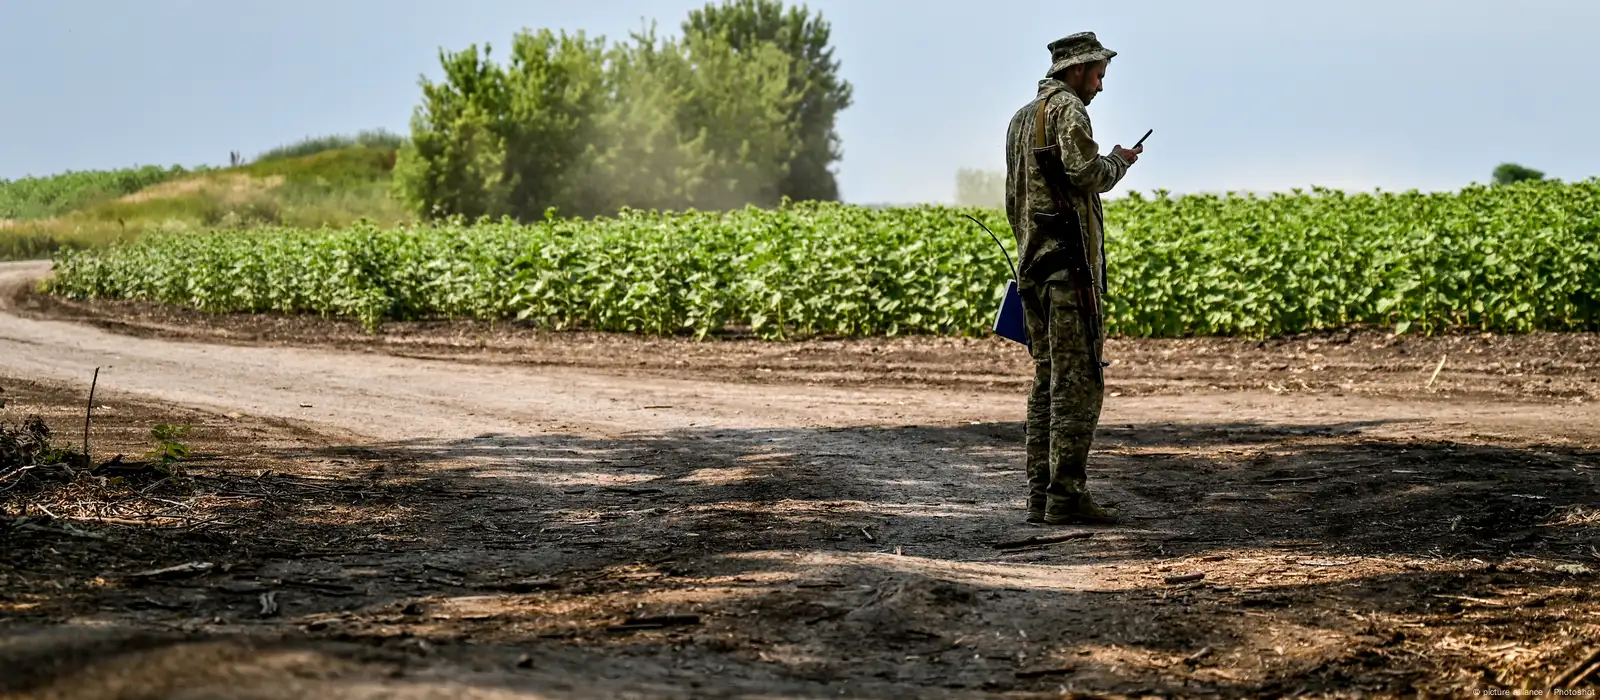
x=1078, y=84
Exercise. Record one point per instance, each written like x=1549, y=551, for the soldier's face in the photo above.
x=1089, y=81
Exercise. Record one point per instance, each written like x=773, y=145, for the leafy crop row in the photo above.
x=1513, y=258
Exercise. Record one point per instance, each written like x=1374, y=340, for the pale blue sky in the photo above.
x=1242, y=94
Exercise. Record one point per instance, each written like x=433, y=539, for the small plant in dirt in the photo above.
x=169, y=446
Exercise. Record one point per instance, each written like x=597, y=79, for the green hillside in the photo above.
x=331, y=181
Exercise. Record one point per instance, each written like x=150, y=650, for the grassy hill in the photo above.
x=329, y=180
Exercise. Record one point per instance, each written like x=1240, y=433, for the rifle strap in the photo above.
x=1040, y=142
x=1038, y=126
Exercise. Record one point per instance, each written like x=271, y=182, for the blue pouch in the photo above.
x=1009, y=323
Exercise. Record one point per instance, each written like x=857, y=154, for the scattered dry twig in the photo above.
x=193, y=568
x=1052, y=539
x=1042, y=672
x=89, y=411
x=1578, y=672
x=17, y=472
x=656, y=622
x=1470, y=599
x=1436, y=371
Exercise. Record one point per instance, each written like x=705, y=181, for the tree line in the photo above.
x=738, y=110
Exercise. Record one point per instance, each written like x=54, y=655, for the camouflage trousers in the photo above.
x=1064, y=404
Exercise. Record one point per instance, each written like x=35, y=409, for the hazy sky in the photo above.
x=1242, y=94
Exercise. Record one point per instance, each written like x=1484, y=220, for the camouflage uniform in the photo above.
x=1064, y=404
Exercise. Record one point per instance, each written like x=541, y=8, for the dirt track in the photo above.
x=1359, y=532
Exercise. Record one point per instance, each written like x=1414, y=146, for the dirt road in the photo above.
x=834, y=540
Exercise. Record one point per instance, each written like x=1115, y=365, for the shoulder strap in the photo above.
x=1038, y=125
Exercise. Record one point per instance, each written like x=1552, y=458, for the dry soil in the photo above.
x=466, y=510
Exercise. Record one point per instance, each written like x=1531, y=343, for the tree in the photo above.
x=491, y=140
x=980, y=188
x=639, y=156
x=555, y=87
x=740, y=103
x=689, y=123
x=700, y=121
x=455, y=163
x=745, y=25
x=1508, y=173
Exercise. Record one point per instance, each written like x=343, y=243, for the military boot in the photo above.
x=1036, y=508
x=1085, y=511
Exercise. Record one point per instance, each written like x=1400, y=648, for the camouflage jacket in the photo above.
x=1067, y=123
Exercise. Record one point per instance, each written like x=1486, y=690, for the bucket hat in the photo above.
x=1078, y=48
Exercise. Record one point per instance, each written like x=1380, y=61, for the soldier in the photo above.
x=1064, y=404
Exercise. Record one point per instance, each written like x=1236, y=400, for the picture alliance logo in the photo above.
x=1536, y=693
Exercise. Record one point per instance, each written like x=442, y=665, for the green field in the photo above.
x=1505, y=258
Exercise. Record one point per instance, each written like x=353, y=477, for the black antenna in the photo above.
x=997, y=242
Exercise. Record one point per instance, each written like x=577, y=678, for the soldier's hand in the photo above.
x=1127, y=155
